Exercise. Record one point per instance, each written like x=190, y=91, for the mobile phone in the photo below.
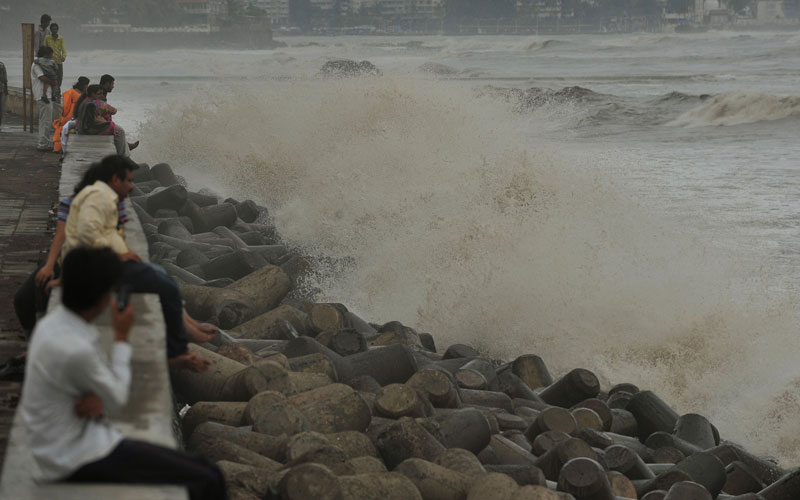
x=123, y=297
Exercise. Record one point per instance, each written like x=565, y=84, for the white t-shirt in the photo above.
x=36, y=85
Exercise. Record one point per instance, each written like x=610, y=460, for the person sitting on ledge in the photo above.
x=94, y=118
x=71, y=386
x=93, y=220
x=70, y=98
x=107, y=84
x=31, y=298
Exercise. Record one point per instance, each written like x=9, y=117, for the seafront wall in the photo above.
x=15, y=103
x=149, y=412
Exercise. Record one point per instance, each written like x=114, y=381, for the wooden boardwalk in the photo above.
x=28, y=190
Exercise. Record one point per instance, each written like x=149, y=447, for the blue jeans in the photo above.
x=148, y=278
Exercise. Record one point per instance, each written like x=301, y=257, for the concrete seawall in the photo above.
x=15, y=103
x=149, y=413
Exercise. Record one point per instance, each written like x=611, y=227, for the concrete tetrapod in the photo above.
x=523, y=475
x=273, y=447
x=437, y=386
x=216, y=449
x=406, y=438
x=623, y=459
x=435, y=482
x=383, y=486
x=572, y=388
x=333, y=408
x=687, y=490
x=225, y=379
x=493, y=485
x=695, y=429
x=552, y=462
x=401, y=400
x=284, y=322
x=230, y=413
x=465, y=428
x=585, y=479
x=252, y=479
x=244, y=299
x=552, y=419
x=741, y=479
x=460, y=460
x=532, y=370
x=652, y=414
x=310, y=481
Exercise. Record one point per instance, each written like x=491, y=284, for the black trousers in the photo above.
x=30, y=300
x=147, y=278
x=145, y=463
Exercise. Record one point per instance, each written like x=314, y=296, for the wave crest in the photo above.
x=734, y=108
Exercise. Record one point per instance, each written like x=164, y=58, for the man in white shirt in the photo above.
x=38, y=79
x=70, y=384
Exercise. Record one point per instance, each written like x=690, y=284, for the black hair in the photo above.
x=89, y=91
x=44, y=50
x=114, y=166
x=89, y=178
x=82, y=80
x=87, y=275
x=106, y=79
x=45, y=20
x=53, y=24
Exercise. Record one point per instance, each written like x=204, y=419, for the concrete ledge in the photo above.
x=149, y=413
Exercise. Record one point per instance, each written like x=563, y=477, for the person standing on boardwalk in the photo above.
x=71, y=385
x=71, y=97
x=41, y=33
x=56, y=42
x=38, y=81
x=3, y=91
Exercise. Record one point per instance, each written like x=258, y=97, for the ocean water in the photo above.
x=627, y=204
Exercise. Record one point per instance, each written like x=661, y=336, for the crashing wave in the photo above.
x=733, y=108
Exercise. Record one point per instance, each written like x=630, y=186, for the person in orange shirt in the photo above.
x=69, y=99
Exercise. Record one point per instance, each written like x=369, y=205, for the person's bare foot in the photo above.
x=196, y=331
x=196, y=335
x=133, y=145
x=188, y=361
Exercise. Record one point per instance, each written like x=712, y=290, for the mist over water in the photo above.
x=456, y=221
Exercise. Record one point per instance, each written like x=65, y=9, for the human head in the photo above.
x=87, y=277
x=117, y=172
x=81, y=84
x=45, y=51
x=45, y=20
x=54, y=29
x=92, y=90
x=89, y=178
x=107, y=82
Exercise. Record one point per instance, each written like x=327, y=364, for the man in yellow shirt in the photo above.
x=56, y=42
x=92, y=222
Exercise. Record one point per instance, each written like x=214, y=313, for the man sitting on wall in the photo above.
x=70, y=385
x=107, y=86
x=92, y=221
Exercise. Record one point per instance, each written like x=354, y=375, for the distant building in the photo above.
x=277, y=10
x=770, y=11
x=203, y=11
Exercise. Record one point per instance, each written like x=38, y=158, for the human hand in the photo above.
x=45, y=274
x=121, y=321
x=89, y=406
x=130, y=256
x=50, y=284
x=189, y=361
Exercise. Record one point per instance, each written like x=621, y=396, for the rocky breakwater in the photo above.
x=308, y=400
